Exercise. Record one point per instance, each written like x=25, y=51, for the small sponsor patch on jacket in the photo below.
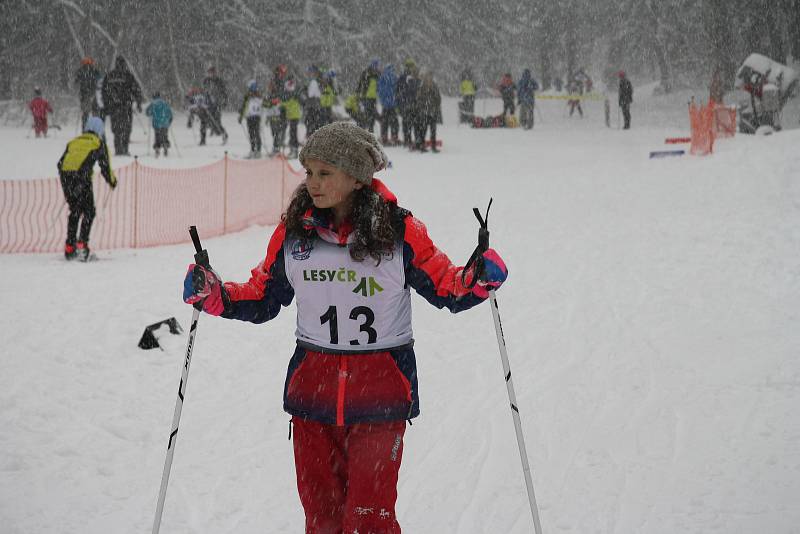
x=301, y=249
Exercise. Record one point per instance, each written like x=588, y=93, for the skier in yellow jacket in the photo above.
x=75, y=169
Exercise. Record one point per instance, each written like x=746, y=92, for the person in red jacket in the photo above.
x=349, y=255
x=39, y=108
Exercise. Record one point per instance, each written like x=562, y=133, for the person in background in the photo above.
x=217, y=99
x=625, y=98
x=293, y=113
x=160, y=114
x=367, y=91
x=349, y=256
x=197, y=105
x=86, y=78
x=429, y=112
x=407, y=87
x=120, y=92
x=575, y=90
x=387, y=92
x=311, y=103
x=252, y=108
x=467, y=89
x=276, y=109
x=75, y=170
x=508, y=90
x=353, y=109
x=39, y=109
x=328, y=98
x=526, y=97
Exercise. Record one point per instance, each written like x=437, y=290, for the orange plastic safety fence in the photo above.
x=701, y=119
x=724, y=121
x=150, y=206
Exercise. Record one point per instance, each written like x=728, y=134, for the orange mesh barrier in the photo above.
x=724, y=121
x=150, y=206
x=701, y=119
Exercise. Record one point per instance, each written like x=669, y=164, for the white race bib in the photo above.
x=346, y=305
x=254, y=104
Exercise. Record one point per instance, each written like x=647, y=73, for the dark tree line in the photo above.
x=170, y=43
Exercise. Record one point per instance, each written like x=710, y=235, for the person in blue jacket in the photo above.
x=161, y=116
x=526, y=88
x=387, y=93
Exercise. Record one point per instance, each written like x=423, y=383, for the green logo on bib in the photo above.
x=367, y=285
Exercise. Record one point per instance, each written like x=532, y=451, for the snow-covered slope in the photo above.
x=651, y=320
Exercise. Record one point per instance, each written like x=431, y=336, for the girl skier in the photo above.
x=348, y=253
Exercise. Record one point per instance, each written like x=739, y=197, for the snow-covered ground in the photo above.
x=650, y=314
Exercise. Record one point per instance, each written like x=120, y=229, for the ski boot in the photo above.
x=224, y=138
x=82, y=252
x=69, y=252
x=158, y=153
x=165, y=152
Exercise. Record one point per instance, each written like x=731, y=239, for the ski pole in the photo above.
x=512, y=397
x=201, y=258
x=477, y=259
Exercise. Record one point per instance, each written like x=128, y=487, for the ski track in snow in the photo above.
x=650, y=316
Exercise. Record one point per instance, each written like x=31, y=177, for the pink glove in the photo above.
x=493, y=275
x=204, y=286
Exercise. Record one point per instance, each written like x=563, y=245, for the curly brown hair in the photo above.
x=376, y=222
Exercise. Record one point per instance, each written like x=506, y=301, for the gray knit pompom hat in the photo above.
x=348, y=148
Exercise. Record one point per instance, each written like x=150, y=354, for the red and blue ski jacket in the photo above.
x=344, y=387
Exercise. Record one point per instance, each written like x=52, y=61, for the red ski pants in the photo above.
x=40, y=125
x=347, y=475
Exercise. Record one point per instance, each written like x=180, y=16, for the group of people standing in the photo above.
x=381, y=95
x=284, y=103
x=408, y=98
x=523, y=94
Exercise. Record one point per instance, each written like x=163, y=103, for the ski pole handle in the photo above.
x=476, y=259
x=201, y=255
x=200, y=258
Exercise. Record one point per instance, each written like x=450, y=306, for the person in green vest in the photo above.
x=328, y=98
x=353, y=108
x=293, y=113
x=367, y=91
x=467, y=89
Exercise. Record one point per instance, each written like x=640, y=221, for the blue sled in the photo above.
x=666, y=153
